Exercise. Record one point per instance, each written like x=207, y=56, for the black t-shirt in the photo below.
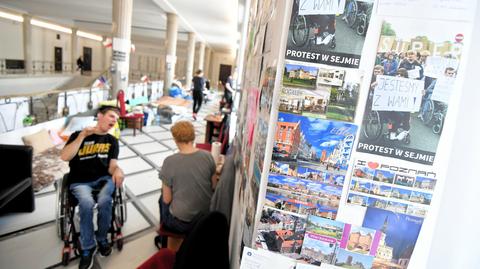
x=198, y=83
x=93, y=158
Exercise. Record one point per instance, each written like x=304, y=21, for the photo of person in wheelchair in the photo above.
x=92, y=155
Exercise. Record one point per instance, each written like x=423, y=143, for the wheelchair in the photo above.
x=67, y=222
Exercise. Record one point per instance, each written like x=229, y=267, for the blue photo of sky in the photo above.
x=402, y=230
x=323, y=135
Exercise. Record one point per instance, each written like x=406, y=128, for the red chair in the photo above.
x=223, y=137
x=163, y=259
x=134, y=120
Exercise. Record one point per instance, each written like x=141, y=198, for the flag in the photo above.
x=99, y=82
x=107, y=43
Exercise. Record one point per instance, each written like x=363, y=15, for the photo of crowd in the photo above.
x=412, y=80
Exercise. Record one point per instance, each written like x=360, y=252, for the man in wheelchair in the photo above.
x=92, y=155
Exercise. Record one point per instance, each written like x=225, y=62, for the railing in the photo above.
x=58, y=103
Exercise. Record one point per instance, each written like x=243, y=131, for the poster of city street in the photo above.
x=313, y=143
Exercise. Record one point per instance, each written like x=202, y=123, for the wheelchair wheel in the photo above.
x=437, y=123
x=352, y=10
x=428, y=113
x=300, y=31
x=362, y=25
x=65, y=258
x=120, y=244
x=372, y=126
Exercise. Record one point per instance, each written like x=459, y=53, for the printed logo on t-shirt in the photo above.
x=90, y=150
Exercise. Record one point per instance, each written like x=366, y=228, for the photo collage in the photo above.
x=309, y=164
x=406, y=102
x=320, y=91
x=385, y=240
x=390, y=187
x=340, y=244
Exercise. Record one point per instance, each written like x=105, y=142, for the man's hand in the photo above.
x=118, y=177
x=87, y=131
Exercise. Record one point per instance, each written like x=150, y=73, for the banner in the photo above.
x=443, y=89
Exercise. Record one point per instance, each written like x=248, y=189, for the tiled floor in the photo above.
x=31, y=241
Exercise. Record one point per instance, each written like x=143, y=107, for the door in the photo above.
x=225, y=71
x=58, y=59
x=87, y=59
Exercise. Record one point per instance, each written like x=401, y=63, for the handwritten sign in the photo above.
x=435, y=66
x=397, y=94
x=320, y=7
x=443, y=89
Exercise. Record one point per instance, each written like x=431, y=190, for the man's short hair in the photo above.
x=105, y=109
x=198, y=72
x=379, y=68
x=183, y=132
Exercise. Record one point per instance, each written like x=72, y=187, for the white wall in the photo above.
x=456, y=235
x=11, y=44
x=150, y=58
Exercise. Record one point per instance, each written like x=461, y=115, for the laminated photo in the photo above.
x=396, y=188
x=322, y=238
x=312, y=142
x=303, y=196
x=332, y=242
x=300, y=76
x=281, y=232
x=328, y=32
x=413, y=79
x=332, y=94
x=291, y=100
x=399, y=233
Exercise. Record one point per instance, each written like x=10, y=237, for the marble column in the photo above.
x=190, y=58
x=171, y=46
x=201, y=55
x=74, y=49
x=27, y=44
x=121, y=47
x=206, y=71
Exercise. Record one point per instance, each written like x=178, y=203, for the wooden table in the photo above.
x=211, y=121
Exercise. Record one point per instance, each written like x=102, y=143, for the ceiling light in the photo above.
x=11, y=16
x=51, y=26
x=89, y=35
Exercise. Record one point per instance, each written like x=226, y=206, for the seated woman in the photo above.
x=187, y=181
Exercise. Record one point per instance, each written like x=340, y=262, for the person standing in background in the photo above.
x=80, y=64
x=198, y=86
x=229, y=91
